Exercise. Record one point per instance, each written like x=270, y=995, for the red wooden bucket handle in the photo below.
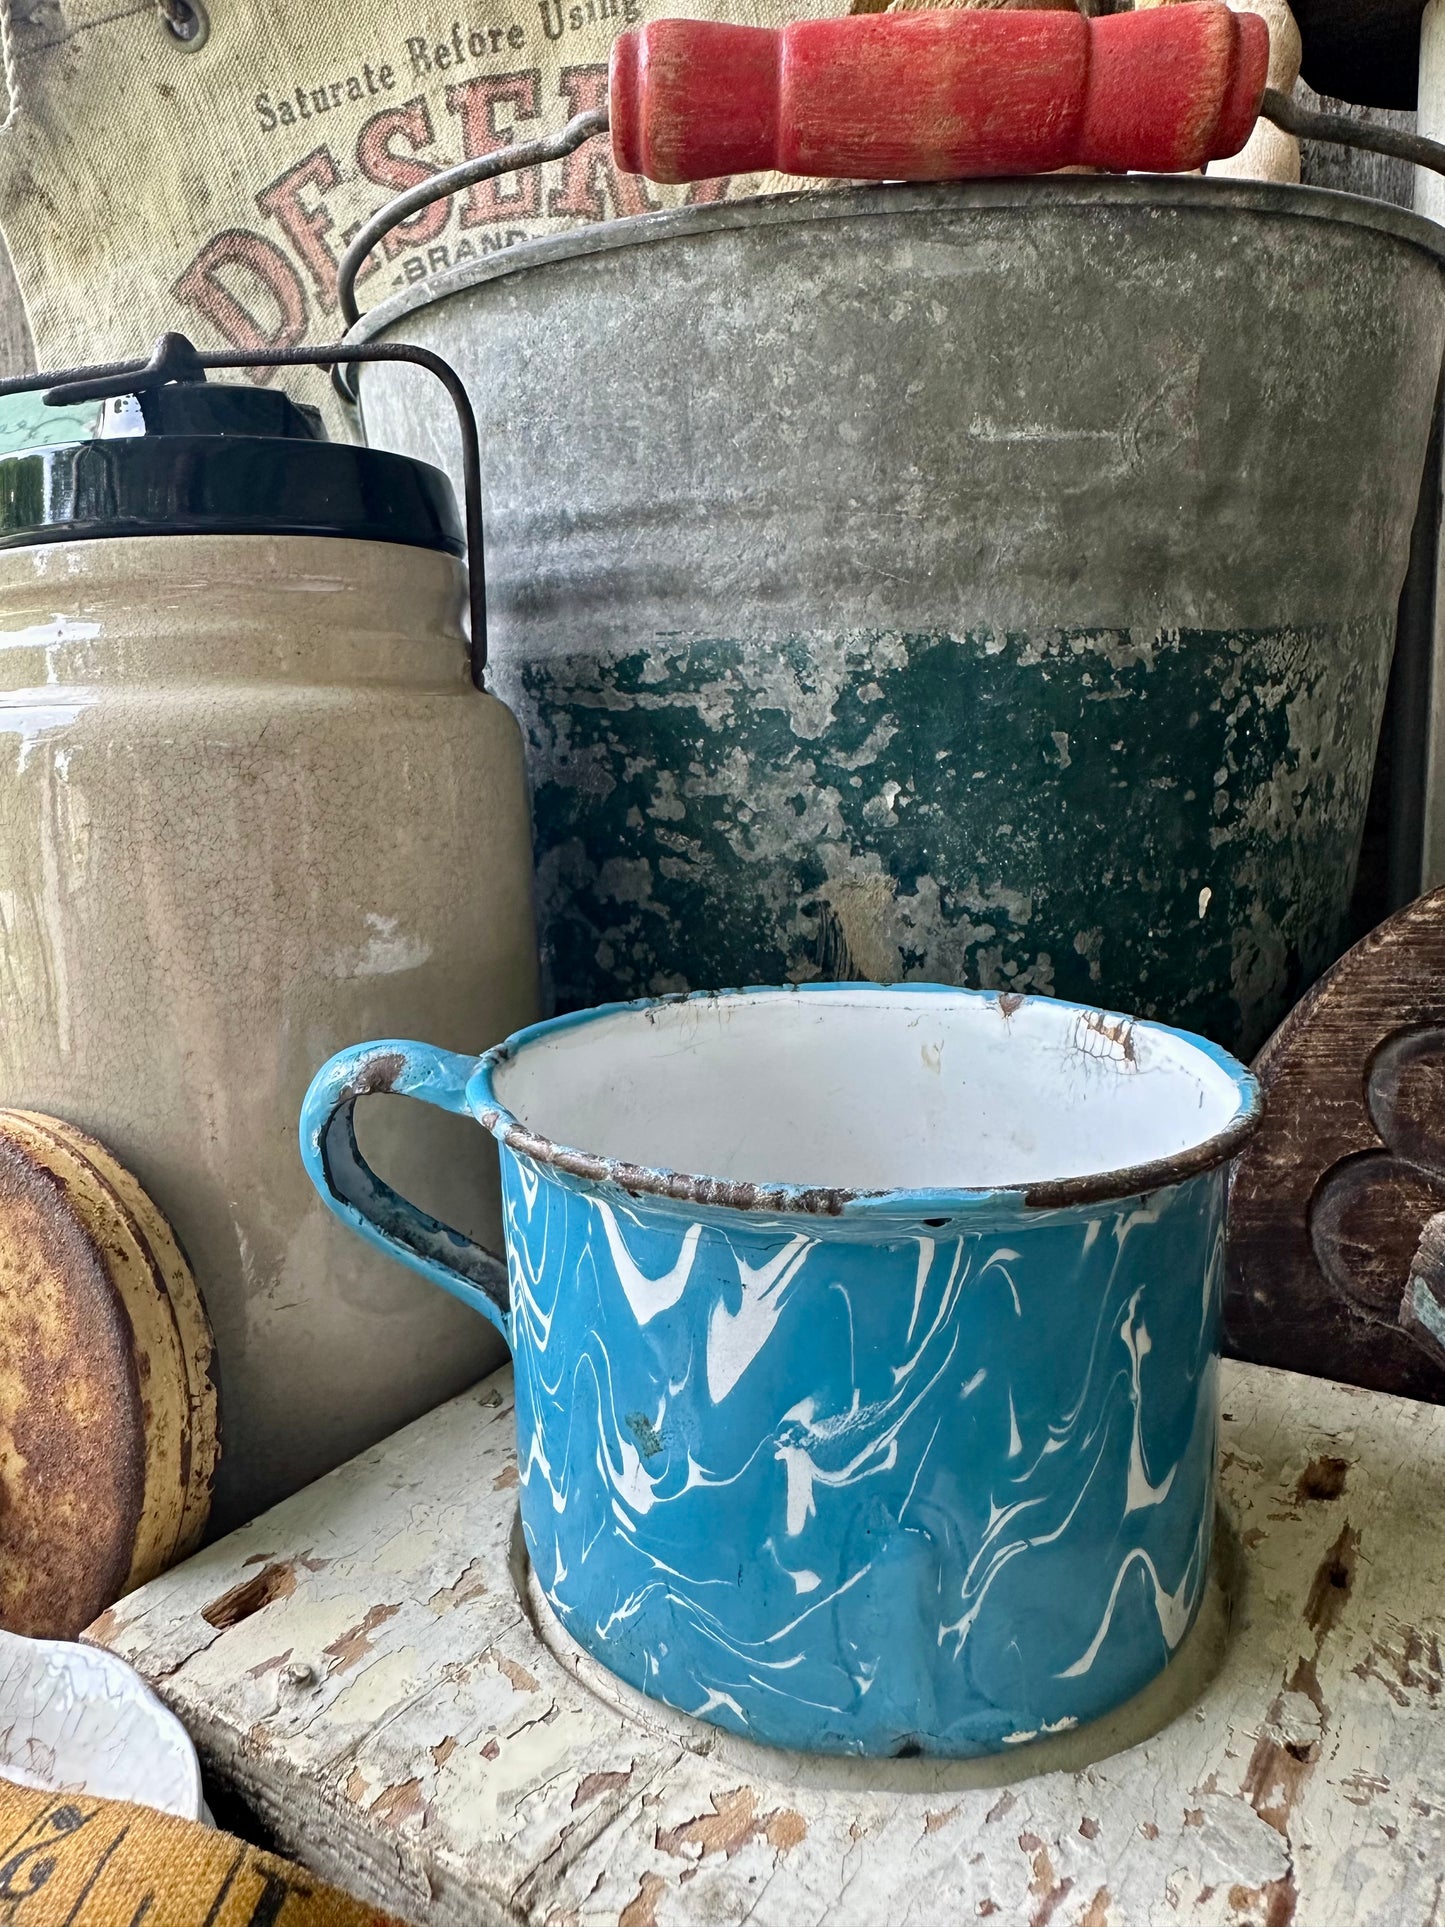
x=928, y=96
x=951, y=95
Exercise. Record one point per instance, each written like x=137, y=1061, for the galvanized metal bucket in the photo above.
x=990, y=583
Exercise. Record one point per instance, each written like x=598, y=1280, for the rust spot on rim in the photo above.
x=377, y=1074
x=639, y=1180
x=1134, y=1181
x=1116, y=1030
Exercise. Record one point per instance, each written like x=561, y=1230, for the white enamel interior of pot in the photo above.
x=864, y=1088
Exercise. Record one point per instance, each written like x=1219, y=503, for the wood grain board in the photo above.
x=361, y=1666
x=1330, y=1199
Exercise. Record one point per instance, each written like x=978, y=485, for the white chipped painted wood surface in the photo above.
x=370, y=1681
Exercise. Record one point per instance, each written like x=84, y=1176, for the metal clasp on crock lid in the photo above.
x=173, y=358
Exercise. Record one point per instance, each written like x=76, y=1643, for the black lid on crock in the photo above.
x=193, y=457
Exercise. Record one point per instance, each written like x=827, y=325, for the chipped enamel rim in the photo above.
x=1098, y=1187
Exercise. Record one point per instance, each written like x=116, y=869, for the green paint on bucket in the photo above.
x=1167, y=822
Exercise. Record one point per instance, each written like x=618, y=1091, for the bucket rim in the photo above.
x=1149, y=192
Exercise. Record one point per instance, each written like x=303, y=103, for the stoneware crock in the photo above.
x=251, y=807
x=892, y=1430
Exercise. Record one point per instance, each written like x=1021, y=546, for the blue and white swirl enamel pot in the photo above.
x=892, y=1429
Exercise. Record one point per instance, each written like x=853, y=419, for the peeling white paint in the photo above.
x=499, y=1768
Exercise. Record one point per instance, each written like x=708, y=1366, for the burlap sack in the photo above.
x=70, y=1860
x=148, y=182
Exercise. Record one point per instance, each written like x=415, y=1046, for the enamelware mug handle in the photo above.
x=362, y=1200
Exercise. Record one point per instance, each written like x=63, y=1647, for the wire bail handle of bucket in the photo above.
x=918, y=96
x=176, y=359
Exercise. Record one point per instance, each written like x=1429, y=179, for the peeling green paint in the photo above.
x=1167, y=822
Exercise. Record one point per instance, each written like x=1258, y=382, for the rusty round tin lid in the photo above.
x=108, y=1433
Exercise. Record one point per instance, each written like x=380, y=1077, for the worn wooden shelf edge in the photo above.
x=360, y=1665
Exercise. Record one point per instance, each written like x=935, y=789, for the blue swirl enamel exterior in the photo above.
x=932, y=1473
